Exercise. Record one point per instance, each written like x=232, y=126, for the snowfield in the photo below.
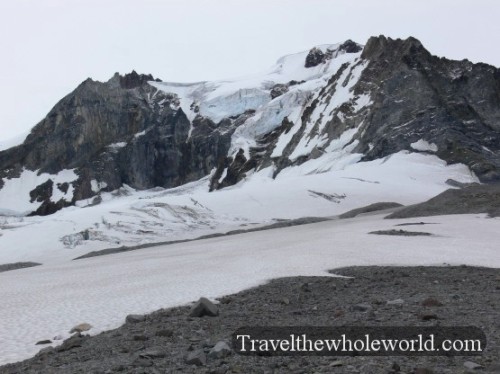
x=46, y=301
x=323, y=187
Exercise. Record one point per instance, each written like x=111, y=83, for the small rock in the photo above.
x=197, y=358
x=70, y=343
x=304, y=287
x=220, y=350
x=207, y=343
x=226, y=300
x=428, y=316
x=396, y=302
x=46, y=351
x=135, y=318
x=430, y=302
x=165, y=333
x=336, y=363
x=361, y=307
x=153, y=353
x=395, y=368
x=338, y=313
x=43, y=342
x=58, y=337
x=285, y=301
x=80, y=328
x=204, y=307
x=472, y=365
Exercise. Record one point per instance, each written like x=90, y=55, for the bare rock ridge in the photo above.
x=390, y=95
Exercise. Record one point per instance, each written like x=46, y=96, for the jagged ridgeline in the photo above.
x=335, y=103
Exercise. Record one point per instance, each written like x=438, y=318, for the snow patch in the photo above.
x=139, y=134
x=15, y=194
x=97, y=186
x=424, y=146
x=117, y=146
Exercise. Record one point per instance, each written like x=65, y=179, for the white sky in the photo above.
x=49, y=46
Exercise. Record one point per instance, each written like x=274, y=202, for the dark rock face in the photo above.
x=350, y=47
x=454, y=104
x=120, y=132
x=314, y=58
x=134, y=80
x=278, y=90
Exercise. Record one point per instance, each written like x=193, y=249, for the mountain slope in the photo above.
x=323, y=109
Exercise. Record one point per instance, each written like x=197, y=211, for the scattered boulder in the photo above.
x=204, y=307
x=46, y=351
x=428, y=316
x=197, y=357
x=336, y=363
x=226, y=300
x=43, y=342
x=338, y=313
x=431, y=302
x=153, y=353
x=220, y=350
x=135, y=318
x=472, y=365
x=81, y=328
x=74, y=341
x=395, y=368
x=304, y=287
x=361, y=307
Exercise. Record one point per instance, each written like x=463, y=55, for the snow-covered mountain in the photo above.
x=137, y=160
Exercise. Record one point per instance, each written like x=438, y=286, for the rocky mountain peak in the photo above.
x=378, y=45
x=134, y=80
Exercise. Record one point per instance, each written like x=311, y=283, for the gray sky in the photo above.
x=50, y=46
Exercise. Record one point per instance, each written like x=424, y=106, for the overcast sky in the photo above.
x=49, y=46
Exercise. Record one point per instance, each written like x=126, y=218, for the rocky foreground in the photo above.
x=179, y=341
